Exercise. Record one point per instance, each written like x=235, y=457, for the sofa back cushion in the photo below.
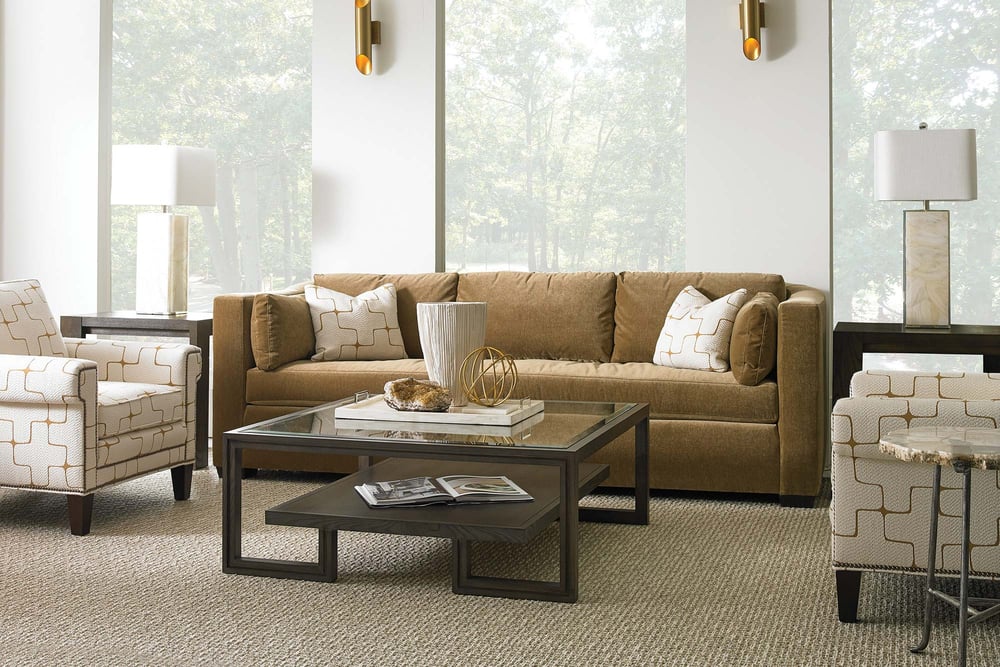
x=26, y=323
x=643, y=298
x=547, y=315
x=411, y=288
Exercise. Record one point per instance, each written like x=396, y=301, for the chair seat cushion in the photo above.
x=123, y=407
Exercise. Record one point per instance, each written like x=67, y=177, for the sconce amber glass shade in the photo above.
x=364, y=64
x=366, y=33
x=751, y=21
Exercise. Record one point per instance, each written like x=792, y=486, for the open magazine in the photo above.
x=418, y=491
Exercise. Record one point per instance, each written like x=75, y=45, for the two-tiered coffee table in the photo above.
x=547, y=459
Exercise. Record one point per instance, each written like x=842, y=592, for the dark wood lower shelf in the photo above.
x=338, y=506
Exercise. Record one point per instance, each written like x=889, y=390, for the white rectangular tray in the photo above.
x=506, y=414
x=522, y=428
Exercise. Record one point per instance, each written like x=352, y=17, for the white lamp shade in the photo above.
x=921, y=165
x=162, y=175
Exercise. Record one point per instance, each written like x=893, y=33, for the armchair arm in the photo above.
x=56, y=380
x=925, y=384
x=801, y=370
x=49, y=408
x=174, y=364
x=858, y=423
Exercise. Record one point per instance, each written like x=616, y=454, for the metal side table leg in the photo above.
x=965, y=470
x=931, y=562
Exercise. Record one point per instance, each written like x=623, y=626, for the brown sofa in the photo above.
x=577, y=336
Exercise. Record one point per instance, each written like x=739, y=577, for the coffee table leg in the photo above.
x=931, y=561
x=566, y=589
x=639, y=515
x=233, y=562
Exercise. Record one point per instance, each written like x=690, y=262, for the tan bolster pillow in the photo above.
x=281, y=330
x=753, y=350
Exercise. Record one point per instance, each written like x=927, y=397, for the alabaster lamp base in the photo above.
x=161, y=264
x=926, y=269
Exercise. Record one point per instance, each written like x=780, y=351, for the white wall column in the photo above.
x=758, y=154
x=377, y=172
x=53, y=172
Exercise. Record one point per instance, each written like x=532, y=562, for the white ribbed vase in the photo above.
x=449, y=331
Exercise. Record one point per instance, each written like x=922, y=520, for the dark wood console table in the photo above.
x=852, y=339
x=196, y=327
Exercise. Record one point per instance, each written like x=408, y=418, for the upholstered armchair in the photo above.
x=880, y=512
x=78, y=415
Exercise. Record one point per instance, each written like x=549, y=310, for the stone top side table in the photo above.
x=964, y=449
x=946, y=445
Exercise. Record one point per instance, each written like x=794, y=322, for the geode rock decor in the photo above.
x=412, y=395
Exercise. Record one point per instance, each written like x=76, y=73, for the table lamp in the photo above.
x=162, y=176
x=921, y=165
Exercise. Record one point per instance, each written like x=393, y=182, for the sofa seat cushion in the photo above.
x=315, y=382
x=123, y=407
x=672, y=393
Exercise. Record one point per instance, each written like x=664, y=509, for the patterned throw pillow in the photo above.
x=362, y=327
x=697, y=331
x=26, y=323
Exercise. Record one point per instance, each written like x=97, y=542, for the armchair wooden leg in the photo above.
x=848, y=591
x=181, y=477
x=80, y=510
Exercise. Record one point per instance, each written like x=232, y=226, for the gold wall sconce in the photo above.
x=751, y=21
x=366, y=33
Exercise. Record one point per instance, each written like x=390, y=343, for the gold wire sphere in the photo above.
x=488, y=376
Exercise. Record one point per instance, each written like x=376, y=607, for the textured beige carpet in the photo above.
x=709, y=582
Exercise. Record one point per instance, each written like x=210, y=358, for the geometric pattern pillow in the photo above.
x=697, y=332
x=362, y=327
x=26, y=323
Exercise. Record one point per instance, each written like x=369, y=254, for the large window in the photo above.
x=235, y=76
x=896, y=64
x=565, y=135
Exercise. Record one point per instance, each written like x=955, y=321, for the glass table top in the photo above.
x=560, y=425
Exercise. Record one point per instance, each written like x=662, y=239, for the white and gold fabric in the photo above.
x=362, y=327
x=697, y=331
x=77, y=415
x=880, y=511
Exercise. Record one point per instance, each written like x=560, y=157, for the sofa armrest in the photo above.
x=801, y=371
x=54, y=380
x=925, y=384
x=233, y=358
